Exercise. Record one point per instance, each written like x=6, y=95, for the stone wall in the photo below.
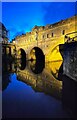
x=70, y=60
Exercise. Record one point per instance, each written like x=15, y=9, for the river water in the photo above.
x=32, y=90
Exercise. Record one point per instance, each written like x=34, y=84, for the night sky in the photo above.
x=21, y=17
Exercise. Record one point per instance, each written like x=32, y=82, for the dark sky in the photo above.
x=21, y=17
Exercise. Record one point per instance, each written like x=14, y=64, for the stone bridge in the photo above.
x=70, y=60
x=43, y=41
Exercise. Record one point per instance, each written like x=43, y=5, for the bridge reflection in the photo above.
x=42, y=81
x=37, y=66
x=43, y=77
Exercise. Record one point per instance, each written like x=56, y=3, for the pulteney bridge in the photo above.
x=43, y=41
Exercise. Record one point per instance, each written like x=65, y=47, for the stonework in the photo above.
x=70, y=60
x=47, y=38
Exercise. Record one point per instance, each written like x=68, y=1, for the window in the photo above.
x=43, y=36
x=52, y=34
x=36, y=36
x=63, y=32
x=47, y=35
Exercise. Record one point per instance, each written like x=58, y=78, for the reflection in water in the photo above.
x=37, y=66
x=60, y=72
x=5, y=81
x=69, y=95
x=22, y=64
x=8, y=67
x=42, y=77
x=55, y=68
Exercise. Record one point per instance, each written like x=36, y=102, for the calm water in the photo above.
x=32, y=89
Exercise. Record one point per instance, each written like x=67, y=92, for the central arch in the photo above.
x=37, y=54
x=37, y=66
x=22, y=56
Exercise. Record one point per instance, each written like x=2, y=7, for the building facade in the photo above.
x=6, y=48
x=3, y=34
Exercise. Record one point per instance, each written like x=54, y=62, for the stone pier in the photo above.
x=70, y=60
x=69, y=77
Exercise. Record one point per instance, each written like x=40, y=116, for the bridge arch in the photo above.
x=22, y=53
x=54, y=53
x=37, y=66
x=22, y=57
x=37, y=54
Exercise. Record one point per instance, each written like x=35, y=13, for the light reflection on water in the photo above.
x=34, y=91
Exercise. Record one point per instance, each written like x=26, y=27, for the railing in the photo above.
x=70, y=37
